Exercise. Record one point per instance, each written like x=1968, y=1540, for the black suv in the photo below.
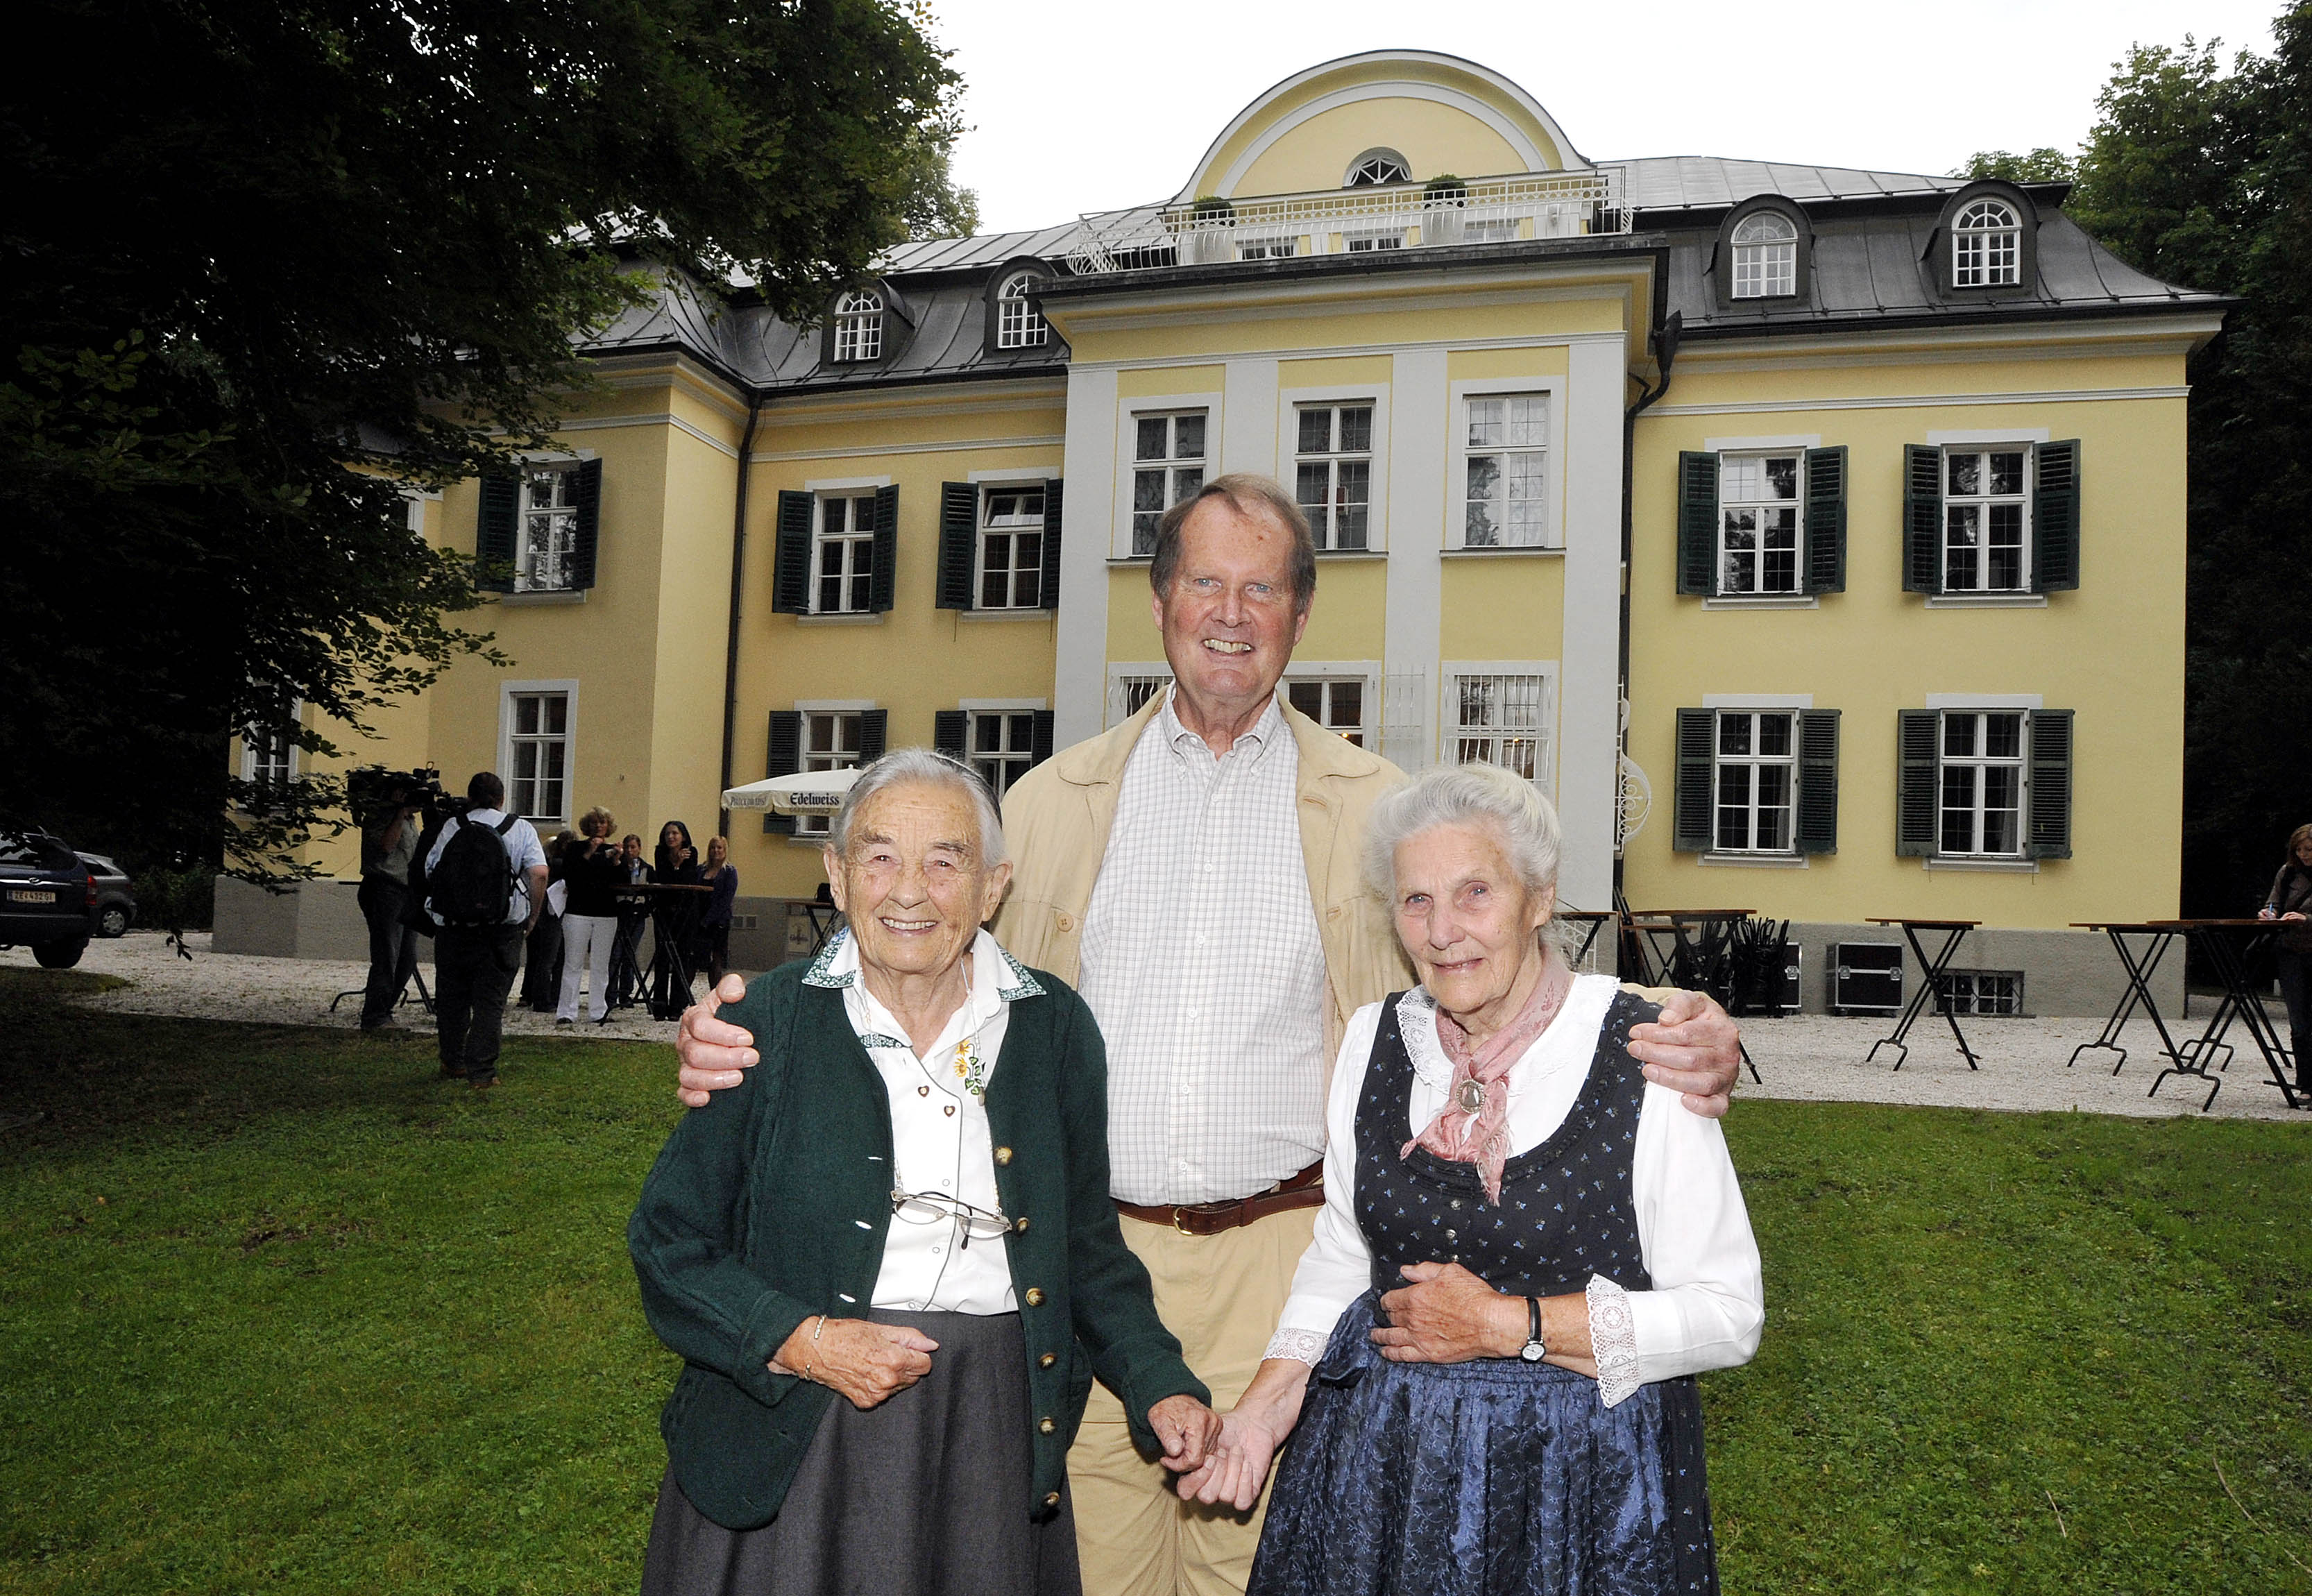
x=48, y=899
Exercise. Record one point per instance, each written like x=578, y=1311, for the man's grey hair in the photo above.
x=903, y=765
x=1247, y=494
x=1468, y=795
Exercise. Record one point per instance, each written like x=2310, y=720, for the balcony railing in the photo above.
x=1353, y=221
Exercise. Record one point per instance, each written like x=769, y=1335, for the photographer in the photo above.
x=485, y=886
x=389, y=842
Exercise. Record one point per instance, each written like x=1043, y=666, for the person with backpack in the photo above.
x=485, y=888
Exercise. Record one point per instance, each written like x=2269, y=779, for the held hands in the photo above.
x=1447, y=1315
x=1186, y=1430
x=1694, y=1048
x=713, y=1055
x=1236, y=1470
x=864, y=1362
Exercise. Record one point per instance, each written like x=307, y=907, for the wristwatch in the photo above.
x=1533, y=1351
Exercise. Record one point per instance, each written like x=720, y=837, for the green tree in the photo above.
x=2204, y=176
x=934, y=206
x=264, y=262
x=2043, y=165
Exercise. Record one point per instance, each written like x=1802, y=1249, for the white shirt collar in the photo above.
x=1253, y=743
x=997, y=980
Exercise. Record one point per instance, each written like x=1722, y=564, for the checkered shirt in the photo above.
x=1202, y=962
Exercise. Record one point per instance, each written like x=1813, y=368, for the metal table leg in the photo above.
x=2242, y=1003
x=2138, y=994
x=1936, y=984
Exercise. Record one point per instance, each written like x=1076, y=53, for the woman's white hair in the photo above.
x=1468, y=795
x=929, y=766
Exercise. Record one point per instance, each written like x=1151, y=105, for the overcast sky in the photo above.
x=1087, y=105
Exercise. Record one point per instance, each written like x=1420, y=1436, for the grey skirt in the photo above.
x=927, y=1494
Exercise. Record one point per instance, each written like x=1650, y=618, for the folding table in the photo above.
x=2139, y=963
x=1678, y=962
x=1936, y=984
x=2227, y=946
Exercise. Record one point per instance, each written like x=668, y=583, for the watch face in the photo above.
x=1532, y=1352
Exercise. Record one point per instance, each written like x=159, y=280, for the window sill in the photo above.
x=1753, y=861
x=1986, y=601
x=1995, y=866
x=1765, y=601
x=567, y=595
x=1353, y=554
x=1131, y=560
x=1509, y=551
x=874, y=618
x=1003, y=614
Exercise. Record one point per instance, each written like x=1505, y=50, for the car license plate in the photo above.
x=21, y=895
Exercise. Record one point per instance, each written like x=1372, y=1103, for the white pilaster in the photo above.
x=1588, y=716
x=1249, y=417
x=1087, y=535
x=1420, y=427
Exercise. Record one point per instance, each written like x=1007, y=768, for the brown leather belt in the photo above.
x=1303, y=1191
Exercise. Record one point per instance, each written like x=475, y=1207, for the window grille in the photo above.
x=1503, y=719
x=1168, y=466
x=1376, y=167
x=1982, y=992
x=1332, y=465
x=1129, y=695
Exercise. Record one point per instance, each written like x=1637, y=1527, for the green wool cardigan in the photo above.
x=770, y=1204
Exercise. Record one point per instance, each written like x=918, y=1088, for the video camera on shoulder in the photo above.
x=374, y=794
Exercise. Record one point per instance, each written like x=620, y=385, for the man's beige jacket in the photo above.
x=1057, y=822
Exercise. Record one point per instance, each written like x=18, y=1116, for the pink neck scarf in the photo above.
x=1473, y=1126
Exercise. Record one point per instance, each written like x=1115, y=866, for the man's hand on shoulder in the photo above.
x=714, y=1054
x=1695, y=1049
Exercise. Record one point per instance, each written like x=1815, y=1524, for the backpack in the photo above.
x=473, y=882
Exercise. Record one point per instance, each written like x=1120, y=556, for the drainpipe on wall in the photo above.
x=737, y=588
x=1665, y=357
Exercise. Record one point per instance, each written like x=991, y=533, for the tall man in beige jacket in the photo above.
x=1198, y=873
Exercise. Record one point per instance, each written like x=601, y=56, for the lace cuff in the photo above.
x=1613, y=1340
x=1304, y=1346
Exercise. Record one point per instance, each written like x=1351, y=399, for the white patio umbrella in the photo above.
x=805, y=792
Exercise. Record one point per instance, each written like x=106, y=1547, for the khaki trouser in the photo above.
x=1222, y=1296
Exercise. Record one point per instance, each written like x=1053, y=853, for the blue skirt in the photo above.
x=1493, y=1477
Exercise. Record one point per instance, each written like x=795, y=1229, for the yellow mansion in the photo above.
x=1813, y=537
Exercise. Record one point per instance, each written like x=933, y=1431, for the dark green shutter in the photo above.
x=1918, y=792
x=1826, y=519
x=1051, y=594
x=786, y=752
x=874, y=725
x=588, y=498
x=1042, y=745
x=791, y=567
x=496, y=532
x=2051, y=784
x=1697, y=523
x=882, y=582
x=958, y=544
x=1922, y=519
x=2056, y=517
x=1694, y=800
x=948, y=730
x=1818, y=781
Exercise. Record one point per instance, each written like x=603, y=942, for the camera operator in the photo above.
x=389, y=842
x=485, y=888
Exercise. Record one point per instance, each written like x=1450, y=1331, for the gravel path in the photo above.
x=1810, y=1056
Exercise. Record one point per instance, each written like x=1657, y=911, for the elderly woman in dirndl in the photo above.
x=1526, y=1253
x=889, y=1259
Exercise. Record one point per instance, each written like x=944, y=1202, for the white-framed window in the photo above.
x=1982, y=992
x=1376, y=167
x=1280, y=247
x=859, y=325
x=1000, y=744
x=1012, y=548
x=547, y=535
x=1167, y=466
x=1758, y=497
x=1131, y=684
x=1332, y=472
x=1754, y=781
x=1019, y=324
x=1489, y=230
x=1499, y=715
x=1765, y=256
x=1334, y=703
x=268, y=753
x=1370, y=240
x=537, y=753
x=831, y=740
x=843, y=555
x=1980, y=782
x=1986, y=245
x=1987, y=519
x=1505, y=440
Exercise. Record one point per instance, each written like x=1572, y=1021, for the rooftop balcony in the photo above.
x=1353, y=221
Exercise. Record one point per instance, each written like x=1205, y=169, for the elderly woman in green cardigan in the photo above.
x=888, y=1260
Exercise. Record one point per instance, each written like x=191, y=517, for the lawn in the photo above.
x=283, y=1314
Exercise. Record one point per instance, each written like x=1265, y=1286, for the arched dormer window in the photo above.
x=1765, y=256
x=1019, y=324
x=1986, y=245
x=1376, y=167
x=859, y=325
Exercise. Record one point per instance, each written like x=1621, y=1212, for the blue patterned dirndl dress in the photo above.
x=1491, y=1477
